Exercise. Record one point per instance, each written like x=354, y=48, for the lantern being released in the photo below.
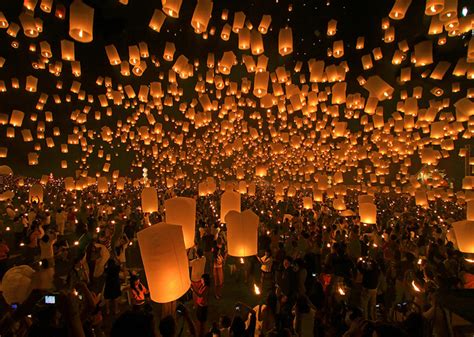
x=230, y=201
x=36, y=194
x=165, y=261
x=464, y=235
x=182, y=211
x=149, y=200
x=368, y=213
x=242, y=233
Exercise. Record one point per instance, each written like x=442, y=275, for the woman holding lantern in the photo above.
x=219, y=255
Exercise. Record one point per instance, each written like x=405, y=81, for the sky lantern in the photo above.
x=157, y=20
x=230, y=201
x=202, y=15
x=463, y=235
x=368, y=213
x=171, y=7
x=102, y=185
x=242, y=233
x=399, y=9
x=470, y=210
x=81, y=21
x=182, y=211
x=307, y=202
x=165, y=261
x=149, y=199
x=36, y=194
x=285, y=41
x=265, y=24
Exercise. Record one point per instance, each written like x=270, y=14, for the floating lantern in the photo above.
x=182, y=211
x=230, y=201
x=81, y=21
x=368, y=213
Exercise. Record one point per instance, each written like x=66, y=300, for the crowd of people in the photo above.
x=317, y=273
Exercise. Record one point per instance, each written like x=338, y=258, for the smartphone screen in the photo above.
x=50, y=299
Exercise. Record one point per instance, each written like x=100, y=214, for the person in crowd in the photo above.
x=197, y=266
x=218, y=262
x=266, y=276
x=112, y=289
x=370, y=280
x=201, y=292
x=138, y=292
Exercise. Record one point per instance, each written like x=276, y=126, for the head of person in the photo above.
x=167, y=326
x=45, y=238
x=268, y=252
x=225, y=322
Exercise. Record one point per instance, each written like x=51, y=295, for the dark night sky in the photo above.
x=126, y=25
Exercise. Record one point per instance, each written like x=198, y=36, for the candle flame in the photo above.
x=256, y=289
x=415, y=287
x=242, y=260
x=341, y=291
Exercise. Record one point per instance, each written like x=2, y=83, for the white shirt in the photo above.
x=197, y=268
x=266, y=264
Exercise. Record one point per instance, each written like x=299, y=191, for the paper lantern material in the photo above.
x=149, y=198
x=230, y=201
x=165, y=261
x=182, y=211
x=17, y=284
x=464, y=235
x=36, y=194
x=470, y=210
x=307, y=202
x=242, y=233
x=81, y=21
x=368, y=213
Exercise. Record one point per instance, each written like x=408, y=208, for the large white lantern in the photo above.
x=149, y=200
x=182, y=211
x=230, y=201
x=368, y=213
x=470, y=210
x=464, y=235
x=36, y=193
x=242, y=233
x=81, y=21
x=165, y=261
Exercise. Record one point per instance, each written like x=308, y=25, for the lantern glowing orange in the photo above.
x=182, y=211
x=149, y=198
x=368, y=213
x=242, y=233
x=165, y=261
x=230, y=201
x=81, y=21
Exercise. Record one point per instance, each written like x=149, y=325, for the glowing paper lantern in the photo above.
x=171, y=7
x=339, y=204
x=17, y=284
x=202, y=15
x=102, y=185
x=157, y=20
x=434, y=7
x=81, y=21
x=399, y=9
x=242, y=233
x=307, y=203
x=165, y=261
x=36, y=194
x=182, y=211
x=464, y=235
x=368, y=213
x=285, y=41
x=230, y=201
x=149, y=198
x=421, y=199
x=470, y=210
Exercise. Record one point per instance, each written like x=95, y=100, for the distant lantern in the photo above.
x=81, y=21
x=332, y=27
x=464, y=235
x=285, y=41
x=149, y=199
x=230, y=201
x=365, y=198
x=182, y=211
x=318, y=195
x=36, y=194
x=69, y=184
x=261, y=83
x=242, y=187
x=264, y=24
x=121, y=183
x=423, y=53
x=165, y=261
x=242, y=233
x=368, y=213
x=171, y=7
